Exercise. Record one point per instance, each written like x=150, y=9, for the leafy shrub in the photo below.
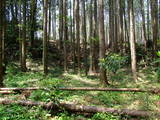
x=157, y=61
x=17, y=112
x=113, y=62
x=102, y=116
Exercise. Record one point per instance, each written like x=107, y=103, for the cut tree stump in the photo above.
x=80, y=108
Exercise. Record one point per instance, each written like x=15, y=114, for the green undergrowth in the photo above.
x=56, y=78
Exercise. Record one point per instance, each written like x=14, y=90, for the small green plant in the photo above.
x=113, y=62
x=103, y=116
x=157, y=61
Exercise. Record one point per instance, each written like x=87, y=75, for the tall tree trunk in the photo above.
x=45, y=36
x=1, y=39
x=23, y=62
x=116, y=28
x=84, y=35
x=78, y=34
x=60, y=24
x=121, y=22
x=91, y=39
x=49, y=21
x=111, y=24
x=154, y=15
x=103, y=76
x=148, y=16
x=95, y=34
x=74, y=36
x=4, y=35
x=65, y=33
x=54, y=22
x=20, y=31
x=33, y=21
x=126, y=29
x=143, y=24
x=132, y=39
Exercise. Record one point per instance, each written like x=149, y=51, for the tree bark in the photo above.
x=23, y=50
x=143, y=25
x=60, y=24
x=78, y=34
x=65, y=33
x=132, y=39
x=103, y=76
x=111, y=24
x=45, y=36
x=92, y=69
x=54, y=22
x=33, y=21
x=74, y=36
x=84, y=35
x=1, y=39
x=121, y=29
x=154, y=22
x=148, y=17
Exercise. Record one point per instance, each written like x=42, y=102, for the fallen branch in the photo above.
x=20, y=89
x=153, y=91
x=103, y=89
x=76, y=108
x=7, y=92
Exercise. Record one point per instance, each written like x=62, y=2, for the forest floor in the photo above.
x=56, y=78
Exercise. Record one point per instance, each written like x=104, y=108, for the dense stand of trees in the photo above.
x=82, y=31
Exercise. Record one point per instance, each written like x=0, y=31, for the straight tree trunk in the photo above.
x=121, y=29
x=116, y=28
x=154, y=15
x=45, y=36
x=91, y=39
x=74, y=36
x=78, y=34
x=4, y=34
x=23, y=62
x=20, y=31
x=95, y=34
x=148, y=16
x=1, y=38
x=103, y=76
x=33, y=21
x=54, y=22
x=132, y=39
x=84, y=35
x=65, y=33
x=143, y=24
x=60, y=24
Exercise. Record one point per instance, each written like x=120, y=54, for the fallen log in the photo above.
x=103, y=89
x=80, y=108
x=20, y=89
x=7, y=92
x=153, y=91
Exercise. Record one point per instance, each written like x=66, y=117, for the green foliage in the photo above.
x=157, y=61
x=158, y=53
x=16, y=112
x=103, y=116
x=158, y=73
x=16, y=78
x=113, y=62
x=110, y=99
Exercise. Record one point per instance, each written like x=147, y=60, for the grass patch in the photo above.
x=56, y=78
